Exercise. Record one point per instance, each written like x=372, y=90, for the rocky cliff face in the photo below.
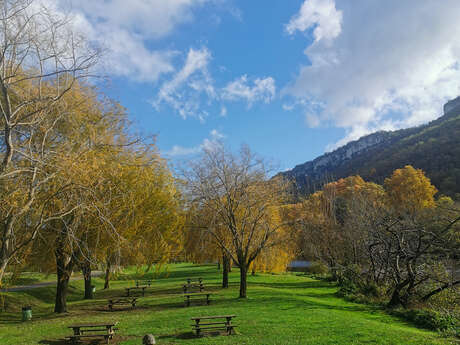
x=315, y=169
x=452, y=105
x=434, y=148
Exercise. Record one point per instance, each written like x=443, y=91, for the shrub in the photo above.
x=443, y=321
x=317, y=268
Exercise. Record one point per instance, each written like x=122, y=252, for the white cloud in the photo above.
x=214, y=140
x=191, y=90
x=390, y=64
x=125, y=29
x=184, y=90
x=261, y=90
x=320, y=14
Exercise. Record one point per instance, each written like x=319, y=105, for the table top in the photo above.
x=212, y=317
x=108, y=324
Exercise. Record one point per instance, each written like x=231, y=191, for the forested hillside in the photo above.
x=434, y=148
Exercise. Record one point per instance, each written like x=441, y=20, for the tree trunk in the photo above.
x=3, y=265
x=64, y=267
x=86, y=270
x=243, y=280
x=225, y=266
x=64, y=271
x=5, y=243
x=396, y=298
x=107, y=275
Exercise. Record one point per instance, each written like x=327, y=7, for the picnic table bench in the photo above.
x=144, y=282
x=188, y=296
x=122, y=301
x=95, y=330
x=128, y=290
x=209, y=323
x=189, y=280
x=193, y=286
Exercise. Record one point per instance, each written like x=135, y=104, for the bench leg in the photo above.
x=229, y=330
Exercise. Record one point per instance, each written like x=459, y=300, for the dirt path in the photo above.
x=39, y=285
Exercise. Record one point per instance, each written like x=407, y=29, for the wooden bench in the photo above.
x=189, y=280
x=144, y=282
x=193, y=286
x=188, y=296
x=105, y=331
x=128, y=290
x=210, y=324
x=122, y=301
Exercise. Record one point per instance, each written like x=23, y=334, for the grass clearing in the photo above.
x=280, y=310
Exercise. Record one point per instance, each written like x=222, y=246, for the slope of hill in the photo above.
x=434, y=148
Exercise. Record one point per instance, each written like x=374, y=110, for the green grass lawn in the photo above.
x=280, y=309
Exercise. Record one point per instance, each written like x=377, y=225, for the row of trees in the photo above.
x=396, y=239
x=76, y=187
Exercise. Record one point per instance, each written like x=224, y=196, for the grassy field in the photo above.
x=280, y=309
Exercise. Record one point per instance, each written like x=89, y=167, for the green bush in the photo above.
x=317, y=268
x=442, y=321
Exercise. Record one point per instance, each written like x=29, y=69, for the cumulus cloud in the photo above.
x=191, y=91
x=184, y=90
x=125, y=28
x=261, y=90
x=377, y=64
x=214, y=141
x=320, y=14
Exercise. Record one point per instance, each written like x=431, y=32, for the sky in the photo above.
x=290, y=78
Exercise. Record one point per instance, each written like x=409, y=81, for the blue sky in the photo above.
x=290, y=78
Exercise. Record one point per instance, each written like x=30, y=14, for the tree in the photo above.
x=41, y=58
x=237, y=193
x=410, y=189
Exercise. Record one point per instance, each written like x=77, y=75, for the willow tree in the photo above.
x=237, y=192
x=41, y=58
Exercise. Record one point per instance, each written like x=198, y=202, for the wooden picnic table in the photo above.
x=210, y=324
x=122, y=301
x=188, y=296
x=189, y=280
x=192, y=286
x=144, y=282
x=93, y=330
x=135, y=288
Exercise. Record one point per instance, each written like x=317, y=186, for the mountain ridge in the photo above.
x=433, y=147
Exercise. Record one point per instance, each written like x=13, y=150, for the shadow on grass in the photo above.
x=54, y=342
x=184, y=272
x=116, y=340
x=48, y=294
x=314, y=284
x=192, y=335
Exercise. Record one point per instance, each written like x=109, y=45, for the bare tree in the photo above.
x=41, y=58
x=236, y=191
